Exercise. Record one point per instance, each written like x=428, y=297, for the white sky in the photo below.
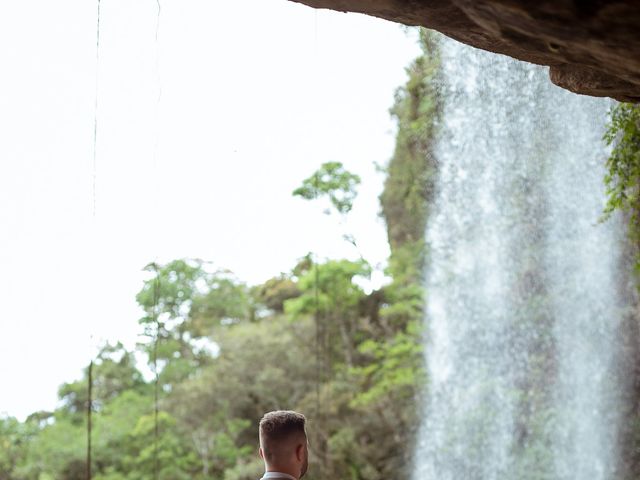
x=254, y=96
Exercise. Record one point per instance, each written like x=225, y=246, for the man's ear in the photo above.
x=261, y=453
x=300, y=452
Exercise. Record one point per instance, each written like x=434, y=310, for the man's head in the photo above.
x=283, y=442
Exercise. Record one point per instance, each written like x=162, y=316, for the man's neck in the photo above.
x=273, y=473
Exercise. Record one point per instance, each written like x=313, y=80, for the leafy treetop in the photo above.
x=333, y=181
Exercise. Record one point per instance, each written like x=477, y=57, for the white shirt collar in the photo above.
x=268, y=475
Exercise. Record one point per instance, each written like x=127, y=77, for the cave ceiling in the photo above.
x=592, y=47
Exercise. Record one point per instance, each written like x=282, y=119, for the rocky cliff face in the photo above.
x=591, y=46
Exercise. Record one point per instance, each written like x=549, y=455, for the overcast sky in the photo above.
x=255, y=95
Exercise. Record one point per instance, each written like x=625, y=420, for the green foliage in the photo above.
x=404, y=297
x=14, y=440
x=184, y=294
x=409, y=185
x=330, y=293
x=276, y=291
x=53, y=449
x=393, y=368
x=226, y=301
x=246, y=470
x=114, y=372
x=622, y=179
x=333, y=181
x=623, y=176
x=392, y=374
x=329, y=287
x=175, y=461
x=207, y=419
x=183, y=302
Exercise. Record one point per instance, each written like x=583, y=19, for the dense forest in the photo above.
x=310, y=339
x=225, y=352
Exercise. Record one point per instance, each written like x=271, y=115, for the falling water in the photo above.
x=522, y=307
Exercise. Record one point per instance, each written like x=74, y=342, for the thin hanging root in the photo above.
x=93, y=211
x=156, y=429
x=156, y=290
x=95, y=111
x=89, y=412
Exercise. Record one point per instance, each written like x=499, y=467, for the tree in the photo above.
x=333, y=181
x=183, y=302
x=174, y=460
x=114, y=372
x=54, y=449
x=225, y=301
x=329, y=291
x=276, y=291
x=14, y=442
x=258, y=369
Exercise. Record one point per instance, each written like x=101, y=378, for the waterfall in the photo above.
x=522, y=313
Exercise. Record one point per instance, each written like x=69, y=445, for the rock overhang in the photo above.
x=592, y=47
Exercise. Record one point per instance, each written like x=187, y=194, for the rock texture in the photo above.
x=591, y=46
